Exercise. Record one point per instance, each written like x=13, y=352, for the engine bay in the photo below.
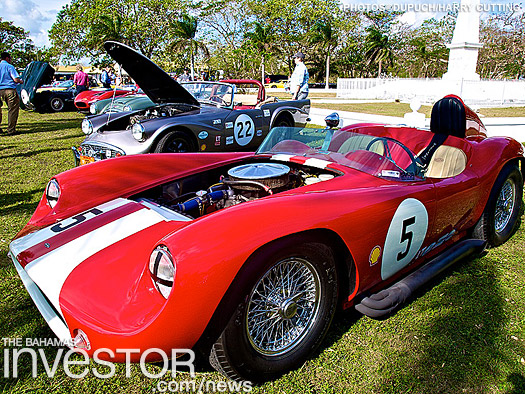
x=212, y=190
x=160, y=111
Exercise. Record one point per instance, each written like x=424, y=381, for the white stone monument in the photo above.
x=414, y=118
x=465, y=44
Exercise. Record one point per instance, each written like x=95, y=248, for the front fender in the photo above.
x=193, y=126
x=295, y=112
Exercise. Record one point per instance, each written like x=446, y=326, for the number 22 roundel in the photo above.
x=405, y=236
x=243, y=129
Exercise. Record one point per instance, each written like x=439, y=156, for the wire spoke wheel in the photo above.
x=505, y=205
x=289, y=296
x=283, y=305
x=57, y=104
x=501, y=216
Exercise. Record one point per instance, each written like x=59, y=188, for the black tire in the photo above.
x=175, y=142
x=501, y=217
x=273, y=86
x=242, y=352
x=283, y=121
x=56, y=104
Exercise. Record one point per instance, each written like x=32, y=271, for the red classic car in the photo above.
x=83, y=100
x=247, y=255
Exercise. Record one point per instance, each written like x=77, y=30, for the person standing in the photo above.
x=81, y=80
x=184, y=77
x=105, y=78
x=8, y=79
x=299, y=78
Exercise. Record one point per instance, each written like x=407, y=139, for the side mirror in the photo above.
x=332, y=120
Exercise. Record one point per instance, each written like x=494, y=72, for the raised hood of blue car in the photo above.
x=35, y=75
x=155, y=82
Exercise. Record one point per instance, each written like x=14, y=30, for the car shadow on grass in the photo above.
x=32, y=153
x=48, y=125
x=518, y=383
x=19, y=203
x=458, y=347
x=449, y=338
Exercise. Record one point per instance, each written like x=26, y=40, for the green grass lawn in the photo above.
x=312, y=95
x=376, y=108
x=465, y=333
x=510, y=112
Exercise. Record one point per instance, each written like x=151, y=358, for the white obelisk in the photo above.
x=463, y=56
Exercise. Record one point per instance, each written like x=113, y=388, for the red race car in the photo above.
x=247, y=255
x=84, y=99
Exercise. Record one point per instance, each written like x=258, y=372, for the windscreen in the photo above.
x=219, y=94
x=379, y=156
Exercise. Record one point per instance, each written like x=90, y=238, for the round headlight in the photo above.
x=52, y=193
x=126, y=108
x=25, y=96
x=87, y=126
x=162, y=270
x=138, y=131
x=93, y=109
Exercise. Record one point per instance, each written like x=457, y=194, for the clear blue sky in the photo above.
x=35, y=16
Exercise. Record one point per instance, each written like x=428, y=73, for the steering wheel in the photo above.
x=386, y=149
x=219, y=100
x=388, y=154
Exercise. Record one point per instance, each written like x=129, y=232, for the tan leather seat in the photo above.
x=245, y=99
x=361, y=142
x=446, y=162
x=270, y=99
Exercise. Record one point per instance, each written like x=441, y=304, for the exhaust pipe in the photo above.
x=384, y=302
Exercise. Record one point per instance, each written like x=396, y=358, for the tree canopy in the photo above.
x=16, y=41
x=251, y=38
x=83, y=25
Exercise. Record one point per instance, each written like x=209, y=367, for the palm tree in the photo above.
x=108, y=28
x=378, y=48
x=262, y=37
x=323, y=36
x=184, y=31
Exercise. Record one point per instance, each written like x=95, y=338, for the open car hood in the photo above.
x=154, y=81
x=35, y=75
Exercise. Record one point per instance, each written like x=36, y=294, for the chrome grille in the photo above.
x=100, y=152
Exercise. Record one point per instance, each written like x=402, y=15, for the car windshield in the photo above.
x=215, y=93
x=64, y=84
x=383, y=157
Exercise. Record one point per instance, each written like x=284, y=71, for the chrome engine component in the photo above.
x=271, y=175
x=194, y=197
x=157, y=112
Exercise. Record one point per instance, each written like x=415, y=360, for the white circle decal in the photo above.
x=243, y=129
x=405, y=236
x=25, y=96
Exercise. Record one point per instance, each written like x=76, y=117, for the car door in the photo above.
x=243, y=130
x=456, y=197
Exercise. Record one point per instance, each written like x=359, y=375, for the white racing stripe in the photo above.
x=55, y=322
x=30, y=240
x=50, y=271
x=317, y=163
x=312, y=162
x=281, y=157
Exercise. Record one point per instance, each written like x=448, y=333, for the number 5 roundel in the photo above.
x=405, y=236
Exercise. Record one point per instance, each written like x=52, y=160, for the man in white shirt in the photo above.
x=299, y=78
x=185, y=77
